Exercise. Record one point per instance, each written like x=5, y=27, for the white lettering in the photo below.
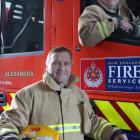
x=124, y=81
x=111, y=70
x=136, y=71
x=119, y=71
x=127, y=70
x=124, y=71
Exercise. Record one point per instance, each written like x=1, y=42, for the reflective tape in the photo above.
x=70, y=127
x=17, y=17
x=111, y=114
x=103, y=29
x=17, y=12
x=96, y=132
x=6, y=107
x=7, y=130
x=132, y=111
x=19, y=6
x=99, y=130
x=100, y=29
x=12, y=95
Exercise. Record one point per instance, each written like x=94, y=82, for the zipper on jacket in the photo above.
x=59, y=92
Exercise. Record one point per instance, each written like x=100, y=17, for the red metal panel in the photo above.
x=62, y=23
x=31, y=65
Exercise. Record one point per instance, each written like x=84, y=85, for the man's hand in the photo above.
x=126, y=26
x=121, y=137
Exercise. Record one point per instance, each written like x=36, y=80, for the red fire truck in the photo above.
x=109, y=72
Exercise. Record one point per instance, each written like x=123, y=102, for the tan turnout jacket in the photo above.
x=95, y=24
x=41, y=103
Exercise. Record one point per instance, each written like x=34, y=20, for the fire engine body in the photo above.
x=117, y=99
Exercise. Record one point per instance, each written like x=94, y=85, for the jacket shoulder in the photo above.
x=33, y=88
x=36, y=84
x=94, y=9
x=80, y=92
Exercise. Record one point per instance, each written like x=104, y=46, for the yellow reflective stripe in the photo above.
x=111, y=114
x=96, y=133
x=70, y=130
x=105, y=29
x=12, y=95
x=100, y=29
x=74, y=127
x=6, y=130
x=6, y=107
x=66, y=124
x=132, y=112
x=101, y=130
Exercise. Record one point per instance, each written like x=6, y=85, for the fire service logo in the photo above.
x=111, y=74
x=93, y=76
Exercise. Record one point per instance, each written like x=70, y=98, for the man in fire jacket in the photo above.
x=100, y=20
x=57, y=102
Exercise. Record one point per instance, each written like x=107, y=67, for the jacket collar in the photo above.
x=55, y=86
x=105, y=7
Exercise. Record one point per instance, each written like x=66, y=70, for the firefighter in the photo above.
x=57, y=102
x=104, y=17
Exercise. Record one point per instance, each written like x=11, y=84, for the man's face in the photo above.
x=59, y=67
x=111, y=3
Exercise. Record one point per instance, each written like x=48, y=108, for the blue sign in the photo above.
x=123, y=74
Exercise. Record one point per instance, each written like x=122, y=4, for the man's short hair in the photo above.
x=58, y=49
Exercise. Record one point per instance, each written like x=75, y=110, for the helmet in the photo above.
x=39, y=132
